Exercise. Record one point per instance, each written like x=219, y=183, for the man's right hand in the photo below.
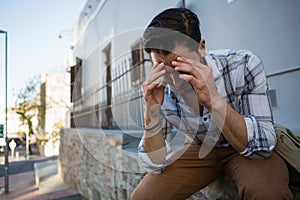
x=153, y=90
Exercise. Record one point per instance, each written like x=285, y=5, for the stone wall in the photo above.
x=98, y=166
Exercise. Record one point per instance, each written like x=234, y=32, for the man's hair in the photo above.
x=170, y=27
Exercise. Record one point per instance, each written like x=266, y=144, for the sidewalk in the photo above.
x=22, y=187
x=22, y=182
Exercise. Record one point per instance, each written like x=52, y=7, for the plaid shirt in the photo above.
x=240, y=79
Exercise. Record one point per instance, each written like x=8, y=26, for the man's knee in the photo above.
x=135, y=195
x=260, y=179
x=257, y=191
x=138, y=194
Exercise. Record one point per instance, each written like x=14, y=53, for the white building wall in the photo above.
x=288, y=106
x=57, y=98
x=119, y=24
x=267, y=27
x=270, y=28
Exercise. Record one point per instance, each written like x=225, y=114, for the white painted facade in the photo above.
x=270, y=28
x=57, y=98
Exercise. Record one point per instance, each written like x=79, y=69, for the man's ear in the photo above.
x=202, y=48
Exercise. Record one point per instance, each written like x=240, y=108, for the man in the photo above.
x=219, y=101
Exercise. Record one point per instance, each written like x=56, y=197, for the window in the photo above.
x=137, y=65
x=76, y=80
x=273, y=98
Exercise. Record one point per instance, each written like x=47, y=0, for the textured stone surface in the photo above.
x=94, y=163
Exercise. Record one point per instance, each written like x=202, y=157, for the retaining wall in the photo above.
x=102, y=165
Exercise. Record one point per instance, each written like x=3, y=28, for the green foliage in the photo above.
x=56, y=131
x=29, y=91
x=44, y=137
x=27, y=104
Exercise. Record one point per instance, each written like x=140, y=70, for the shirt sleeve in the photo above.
x=261, y=138
x=143, y=156
x=255, y=106
x=148, y=164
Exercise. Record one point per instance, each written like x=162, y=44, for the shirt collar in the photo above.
x=212, y=64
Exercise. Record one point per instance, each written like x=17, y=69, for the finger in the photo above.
x=154, y=84
x=191, y=79
x=157, y=67
x=200, y=83
x=191, y=61
x=156, y=76
x=157, y=72
x=149, y=86
x=185, y=68
x=182, y=59
x=187, y=77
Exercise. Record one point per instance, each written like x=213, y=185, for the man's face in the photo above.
x=172, y=76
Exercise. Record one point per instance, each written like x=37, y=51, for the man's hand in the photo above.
x=201, y=78
x=153, y=91
x=230, y=122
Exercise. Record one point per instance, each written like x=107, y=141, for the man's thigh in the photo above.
x=180, y=180
x=259, y=179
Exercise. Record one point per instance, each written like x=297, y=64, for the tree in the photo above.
x=27, y=104
x=39, y=97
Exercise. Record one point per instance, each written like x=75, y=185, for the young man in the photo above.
x=219, y=101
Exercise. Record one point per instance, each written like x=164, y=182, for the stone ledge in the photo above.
x=43, y=170
x=221, y=189
x=95, y=164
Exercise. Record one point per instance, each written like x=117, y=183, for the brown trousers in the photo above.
x=255, y=179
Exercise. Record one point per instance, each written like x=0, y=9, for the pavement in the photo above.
x=23, y=177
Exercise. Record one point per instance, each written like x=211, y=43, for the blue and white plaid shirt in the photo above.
x=241, y=80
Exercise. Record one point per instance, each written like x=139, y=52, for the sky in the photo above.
x=34, y=47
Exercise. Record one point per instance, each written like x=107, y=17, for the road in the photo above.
x=23, y=166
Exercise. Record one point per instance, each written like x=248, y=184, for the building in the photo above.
x=110, y=64
x=13, y=124
x=54, y=100
x=54, y=97
x=15, y=129
x=49, y=111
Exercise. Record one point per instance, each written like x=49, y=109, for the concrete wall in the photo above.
x=288, y=99
x=268, y=27
x=96, y=164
